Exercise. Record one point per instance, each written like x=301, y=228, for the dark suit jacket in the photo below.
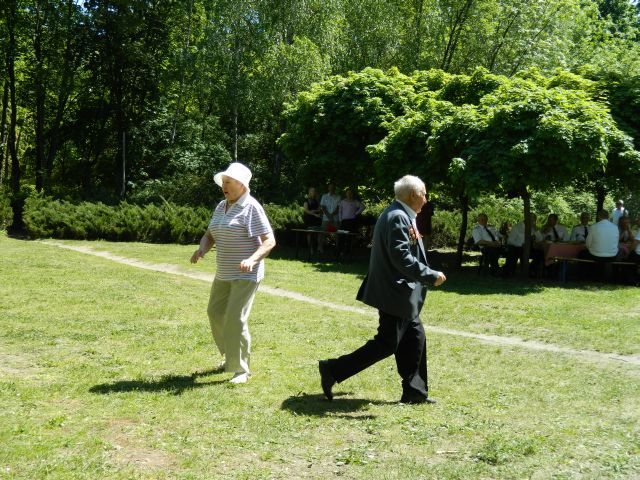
x=398, y=269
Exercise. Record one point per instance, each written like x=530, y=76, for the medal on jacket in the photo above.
x=414, y=236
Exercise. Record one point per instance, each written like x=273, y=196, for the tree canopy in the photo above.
x=143, y=100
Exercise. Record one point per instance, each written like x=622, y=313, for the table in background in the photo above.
x=561, y=249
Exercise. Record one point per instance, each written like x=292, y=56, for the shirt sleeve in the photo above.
x=257, y=221
x=476, y=234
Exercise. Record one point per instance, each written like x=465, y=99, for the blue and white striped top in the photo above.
x=237, y=235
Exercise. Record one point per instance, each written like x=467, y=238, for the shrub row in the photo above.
x=45, y=217
x=169, y=223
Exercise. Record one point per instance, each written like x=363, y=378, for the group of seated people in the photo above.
x=331, y=213
x=605, y=240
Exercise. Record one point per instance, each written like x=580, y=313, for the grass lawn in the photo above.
x=108, y=371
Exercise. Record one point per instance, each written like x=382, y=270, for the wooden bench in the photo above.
x=564, y=264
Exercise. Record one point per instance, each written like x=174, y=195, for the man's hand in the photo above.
x=197, y=255
x=440, y=280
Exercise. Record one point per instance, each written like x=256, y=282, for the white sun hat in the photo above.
x=237, y=171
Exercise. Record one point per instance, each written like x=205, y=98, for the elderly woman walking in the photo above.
x=243, y=237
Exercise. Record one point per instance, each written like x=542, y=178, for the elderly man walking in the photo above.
x=397, y=286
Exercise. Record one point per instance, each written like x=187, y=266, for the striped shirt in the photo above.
x=237, y=235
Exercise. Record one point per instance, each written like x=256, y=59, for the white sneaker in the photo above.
x=240, y=377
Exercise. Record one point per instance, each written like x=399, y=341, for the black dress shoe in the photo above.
x=415, y=400
x=326, y=378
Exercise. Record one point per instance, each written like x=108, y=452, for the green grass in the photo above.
x=597, y=317
x=106, y=371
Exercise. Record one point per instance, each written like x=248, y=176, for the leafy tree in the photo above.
x=329, y=127
x=533, y=138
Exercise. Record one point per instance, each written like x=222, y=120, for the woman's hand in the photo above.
x=247, y=265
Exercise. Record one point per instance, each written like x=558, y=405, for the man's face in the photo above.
x=331, y=188
x=552, y=221
x=482, y=220
x=584, y=218
x=418, y=199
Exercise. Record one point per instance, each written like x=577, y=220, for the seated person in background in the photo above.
x=488, y=239
x=515, y=244
x=312, y=216
x=348, y=210
x=625, y=239
x=554, y=232
x=580, y=232
x=505, y=228
x=619, y=212
x=624, y=227
x=602, y=241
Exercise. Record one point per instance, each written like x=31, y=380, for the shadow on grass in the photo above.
x=463, y=281
x=317, y=405
x=174, y=384
x=356, y=264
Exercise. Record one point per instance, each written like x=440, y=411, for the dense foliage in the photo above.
x=46, y=217
x=111, y=100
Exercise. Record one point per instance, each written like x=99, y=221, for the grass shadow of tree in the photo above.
x=174, y=384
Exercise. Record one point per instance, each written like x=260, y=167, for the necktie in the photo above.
x=555, y=234
x=493, y=239
x=586, y=232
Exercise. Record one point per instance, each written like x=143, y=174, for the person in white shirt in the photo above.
x=579, y=233
x=553, y=231
x=515, y=244
x=329, y=204
x=618, y=212
x=487, y=238
x=602, y=241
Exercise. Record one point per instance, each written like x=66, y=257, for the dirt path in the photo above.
x=492, y=339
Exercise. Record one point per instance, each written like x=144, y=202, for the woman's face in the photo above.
x=312, y=192
x=232, y=189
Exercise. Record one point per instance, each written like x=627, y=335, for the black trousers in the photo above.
x=403, y=338
x=492, y=254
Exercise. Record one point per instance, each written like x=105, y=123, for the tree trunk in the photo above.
x=66, y=84
x=454, y=35
x=417, y=48
x=40, y=94
x=601, y=193
x=493, y=57
x=4, y=165
x=16, y=203
x=464, y=205
x=526, y=198
x=234, y=121
x=185, y=52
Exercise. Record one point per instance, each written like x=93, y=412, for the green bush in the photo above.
x=284, y=217
x=45, y=217
x=170, y=223
x=166, y=223
x=6, y=214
